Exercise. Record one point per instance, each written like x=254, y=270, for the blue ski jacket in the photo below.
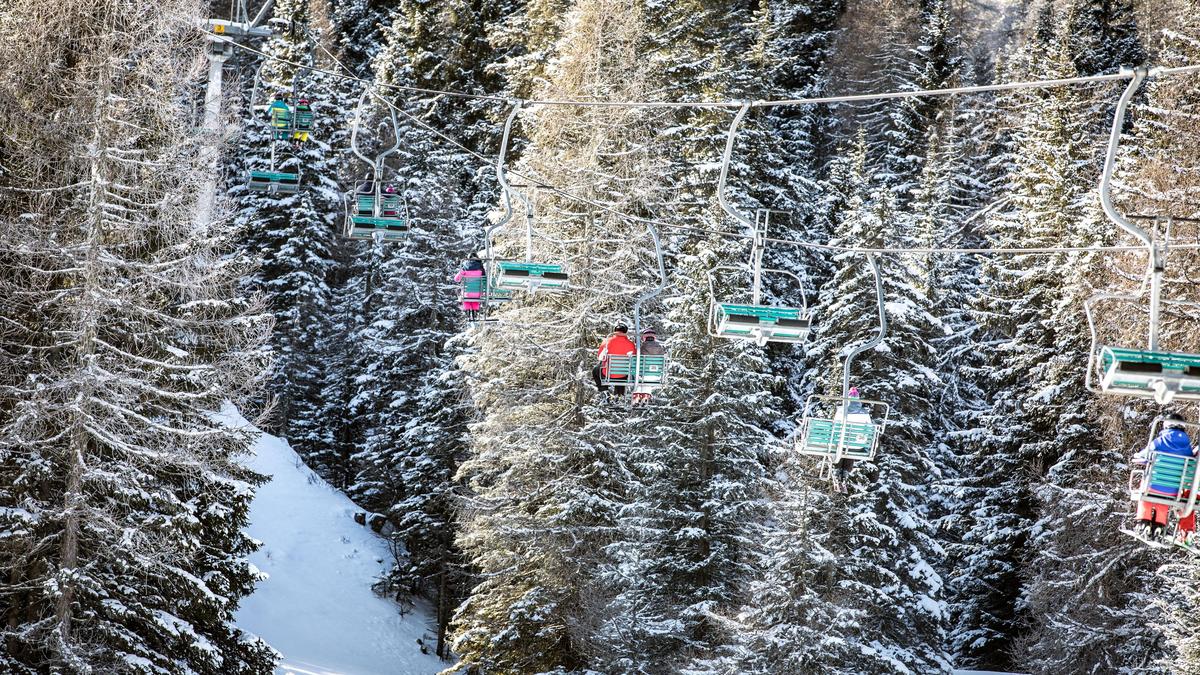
x=1168, y=442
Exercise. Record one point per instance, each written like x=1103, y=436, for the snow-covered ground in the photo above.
x=317, y=607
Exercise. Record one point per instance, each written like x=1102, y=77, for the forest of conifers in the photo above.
x=554, y=533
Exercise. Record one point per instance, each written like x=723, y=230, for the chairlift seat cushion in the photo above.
x=391, y=224
x=531, y=275
x=273, y=181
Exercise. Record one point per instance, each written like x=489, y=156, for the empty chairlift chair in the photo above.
x=1164, y=376
x=754, y=320
x=1150, y=372
x=527, y=276
x=762, y=323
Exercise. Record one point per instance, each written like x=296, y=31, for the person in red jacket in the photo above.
x=618, y=344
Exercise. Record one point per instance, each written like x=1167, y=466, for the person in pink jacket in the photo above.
x=472, y=292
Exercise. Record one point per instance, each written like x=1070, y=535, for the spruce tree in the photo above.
x=121, y=498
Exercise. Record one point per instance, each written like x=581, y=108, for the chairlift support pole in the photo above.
x=217, y=53
x=758, y=236
x=1156, y=262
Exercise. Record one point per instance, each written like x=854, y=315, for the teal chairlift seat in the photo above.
x=1167, y=479
x=1161, y=375
x=828, y=431
x=369, y=214
x=634, y=370
x=526, y=276
x=762, y=323
x=273, y=182
x=281, y=120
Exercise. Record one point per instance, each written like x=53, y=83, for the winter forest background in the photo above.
x=550, y=533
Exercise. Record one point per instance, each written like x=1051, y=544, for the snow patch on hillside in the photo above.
x=316, y=607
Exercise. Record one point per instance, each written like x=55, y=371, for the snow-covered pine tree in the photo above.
x=548, y=471
x=121, y=501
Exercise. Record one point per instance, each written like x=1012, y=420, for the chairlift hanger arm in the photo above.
x=871, y=344
x=730, y=139
x=1110, y=158
x=358, y=111
x=662, y=285
x=262, y=13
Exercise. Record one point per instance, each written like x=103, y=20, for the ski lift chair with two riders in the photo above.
x=754, y=321
x=644, y=373
x=843, y=430
x=373, y=209
x=290, y=121
x=1129, y=371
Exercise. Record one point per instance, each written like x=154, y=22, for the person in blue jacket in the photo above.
x=1172, y=440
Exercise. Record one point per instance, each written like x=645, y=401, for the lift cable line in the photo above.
x=773, y=103
x=539, y=183
x=818, y=246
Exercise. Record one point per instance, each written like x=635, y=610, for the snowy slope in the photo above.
x=317, y=607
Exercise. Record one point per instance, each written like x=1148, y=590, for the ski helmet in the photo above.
x=1173, y=421
x=620, y=327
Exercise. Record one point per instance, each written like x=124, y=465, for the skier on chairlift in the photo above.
x=303, y=113
x=281, y=117
x=650, y=347
x=852, y=411
x=617, y=344
x=1152, y=518
x=390, y=206
x=471, y=299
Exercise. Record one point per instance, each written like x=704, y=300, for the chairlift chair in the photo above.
x=508, y=276
x=1151, y=372
x=835, y=428
x=1169, y=480
x=832, y=428
x=284, y=122
x=372, y=212
x=754, y=320
x=640, y=370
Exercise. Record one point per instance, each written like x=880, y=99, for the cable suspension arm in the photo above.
x=874, y=342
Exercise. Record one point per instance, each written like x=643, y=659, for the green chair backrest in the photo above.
x=824, y=433
x=1171, y=472
x=650, y=367
x=534, y=269
x=765, y=313
x=1169, y=361
x=473, y=284
x=281, y=115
